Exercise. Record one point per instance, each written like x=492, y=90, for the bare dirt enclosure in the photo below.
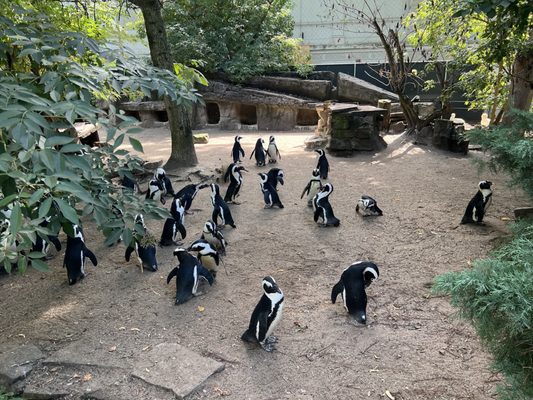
x=412, y=346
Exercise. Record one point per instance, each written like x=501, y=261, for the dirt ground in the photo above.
x=412, y=346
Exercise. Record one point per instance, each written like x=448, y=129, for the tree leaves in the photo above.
x=137, y=146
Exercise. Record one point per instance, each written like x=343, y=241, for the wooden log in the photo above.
x=523, y=212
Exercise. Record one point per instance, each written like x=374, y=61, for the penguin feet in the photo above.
x=267, y=206
x=267, y=347
x=271, y=339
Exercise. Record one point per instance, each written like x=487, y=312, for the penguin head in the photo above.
x=263, y=177
x=199, y=245
x=238, y=138
x=485, y=185
x=360, y=316
x=179, y=204
x=270, y=286
x=159, y=174
x=78, y=233
x=320, y=152
x=209, y=227
x=181, y=253
x=327, y=189
x=201, y=186
x=370, y=274
x=316, y=172
x=271, y=139
x=215, y=189
x=260, y=142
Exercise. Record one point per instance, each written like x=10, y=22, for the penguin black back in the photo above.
x=220, y=208
x=322, y=207
x=237, y=150
x=259, y=152
x=477, y=207
x=276, y=175
x=75, y=254
x=322, y=164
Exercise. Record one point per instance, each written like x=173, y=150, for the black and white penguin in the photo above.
x=189, y=192
x=220, y=208
x=177, y=210
x=161, y=176
x=42, y=245
x=259, y=152
x=323, y=208
x=351, y=286
x=143, y=245
x=129, y=183
x=187, y=274
x=312, y=187
x=207, y=255
x=213, y=235
x=266, y=315
x=367, y=206
x=322, y=164
x=272, y=151
x=156, y=191
x=75, y=254
x=235, y=184
x=171, y=229
x=270, y=195
x=477, y=207
x=275, y=176
x=237, y=150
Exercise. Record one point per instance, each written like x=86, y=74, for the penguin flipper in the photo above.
x=241, y=151
x=55, y=241
x=129, y=250
x=182, y=230
x=338, y=288
x=172, y=274
x=262, y=320
x=317, y=214
x=228, y=172
x=203, y=271
x=306, y=189
x=88, y=253
x=252, y=154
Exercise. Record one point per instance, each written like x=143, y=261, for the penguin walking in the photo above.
x=220, y=208
x=477, y=207
x=207, y=255
x=188, y=193
x=313, y=187
x=266, y=315
x=161, y=176
x=275, y=176
x=187, y=274
x=272, y=151
x=367, y=206
x=322, y=164
x=75, y=254
x=237, y=150
x=215, y=238
x=143, y=245
x=323, y=208
x=156, y=191
x=235, y=184
x=351, y=286
x=270, y=194
x=259, y=152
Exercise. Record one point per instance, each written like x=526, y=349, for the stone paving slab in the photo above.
x=16, y=362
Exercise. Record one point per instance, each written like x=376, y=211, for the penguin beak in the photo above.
x=360, y=317
x=281, y=180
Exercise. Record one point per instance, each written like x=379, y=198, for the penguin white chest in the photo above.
x=313, y=190
x=272, y=153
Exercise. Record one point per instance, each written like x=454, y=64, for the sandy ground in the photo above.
x=412, y=346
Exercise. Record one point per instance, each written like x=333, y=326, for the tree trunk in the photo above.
x=182, y=152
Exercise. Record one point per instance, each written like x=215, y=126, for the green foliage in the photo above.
x=50, y=79
x=239, y=38
x=496, y=296
x=8, y=396
x=510, y=149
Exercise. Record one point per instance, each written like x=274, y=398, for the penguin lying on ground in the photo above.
x=235, y=175
x=214, y=237
x=188, y=193
x=237, y=150
x=207, y=255
x=322, y=164
x=276, y=175
x=272, y=151
x=259, y=152
x=266, y=315
x=312, y=187
x=270, y=195
x=323, y=208
x=161, y=176
x=43, y=245
x=143, y=245
x=367, y=206
x=477, y=207
x=187, y=274
x=351, y=286
x=220, y=208
x=75, y=254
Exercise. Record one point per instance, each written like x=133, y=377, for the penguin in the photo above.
x=143, y=245
x=270, y=194
x=129, y=183
x=235, y=183
x=477, y=207
x=187, y=274
x=259, y=153
x=276, y=175
x=75, y=254
x=188, y=193
x=367, y=206
x=169, y=236
x=214, y=237
x=156, y=191
x=177, y=210
x=312, y=187
x=161, y=176
x=351, y=286
x=207, y=255
x=323, y=208
x=237, y=150
x=42, y=245
x=272, y=151
x=266, y=315
x=220, y=208
x=322, y=164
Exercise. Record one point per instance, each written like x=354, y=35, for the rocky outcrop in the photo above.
x=355, y=89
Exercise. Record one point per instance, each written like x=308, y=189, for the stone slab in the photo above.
x=175, y=368
x=89, y=353
x=16, y=362
x=38, y=393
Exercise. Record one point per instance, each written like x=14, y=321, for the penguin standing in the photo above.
x=351, y=286
x=237, y=150
x=75, y=254
x=220, y=208
x=207, y=255
x=156, y=191
x=161, y=176
x=259, y=152
x=187, y=276
x=188, y=193
x=214, y=237
x=477, y=207
x=270, y=194
x=266, y=315
x=323, y=208
x=322, y=164
x=312, y=187
x=235, y=183
x=275, y=176
x=143, y=245
x=272, y=151
x=175, y=225
x=367, y=206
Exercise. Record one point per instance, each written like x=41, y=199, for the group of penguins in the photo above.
x=202, y=258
